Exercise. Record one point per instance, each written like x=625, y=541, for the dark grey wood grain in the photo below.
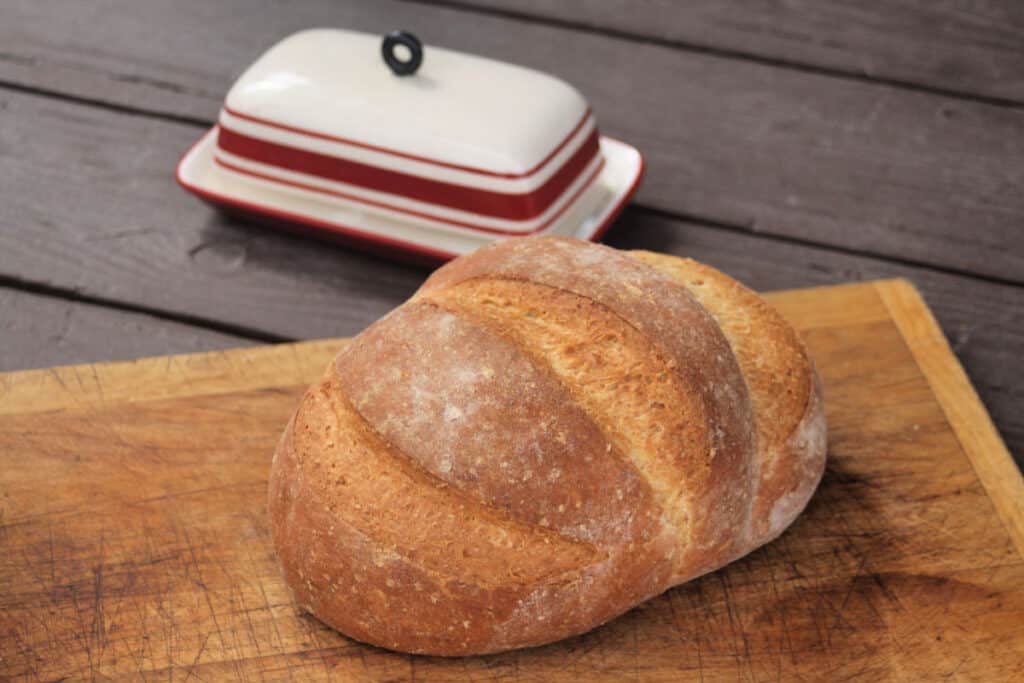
x=92, y=206
x=974, y=47
x=867, y=167
x=42, y=331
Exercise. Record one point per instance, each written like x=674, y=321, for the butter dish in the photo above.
x=403, y=147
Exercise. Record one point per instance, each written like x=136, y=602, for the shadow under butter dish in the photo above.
x=547, y=434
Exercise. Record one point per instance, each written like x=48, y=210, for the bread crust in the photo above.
x=784, y=386
x=485, y=468
x=389, y=555
x=688, y=339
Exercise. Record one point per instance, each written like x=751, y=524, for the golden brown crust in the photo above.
x=784, y=389
x=380, y=551
x=649, y=415
x=687, y=338
x=475, y=412
x=547, y=434
x=387, y=554
x=806, y=448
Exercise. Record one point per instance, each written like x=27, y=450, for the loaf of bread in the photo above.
x=547, y=434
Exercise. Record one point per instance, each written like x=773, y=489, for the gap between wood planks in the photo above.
x=202, y=124
x=200, y=322
x=725, y=53
x=106, y=105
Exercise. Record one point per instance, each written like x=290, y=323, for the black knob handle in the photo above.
x=408, y=65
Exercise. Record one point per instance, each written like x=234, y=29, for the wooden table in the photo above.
x=790, y=144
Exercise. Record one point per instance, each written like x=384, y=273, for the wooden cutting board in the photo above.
x=134, y=544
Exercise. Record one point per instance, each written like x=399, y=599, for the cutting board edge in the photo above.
x=976, y=433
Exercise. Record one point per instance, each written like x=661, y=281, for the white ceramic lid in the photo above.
x=463, y=143
x=457, y=108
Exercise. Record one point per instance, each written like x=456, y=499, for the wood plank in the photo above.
x=40, y=331
x=864, y=166
x=854, y=305
x=973, y=48
x=973, y=427
x=136, y=543
x=149, y=243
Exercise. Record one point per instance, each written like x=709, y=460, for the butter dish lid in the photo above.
x=456, y=109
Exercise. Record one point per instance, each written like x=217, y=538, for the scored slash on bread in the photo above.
x=783, y=385
x=548, y=433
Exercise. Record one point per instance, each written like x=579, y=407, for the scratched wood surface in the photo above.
x=135, y=543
